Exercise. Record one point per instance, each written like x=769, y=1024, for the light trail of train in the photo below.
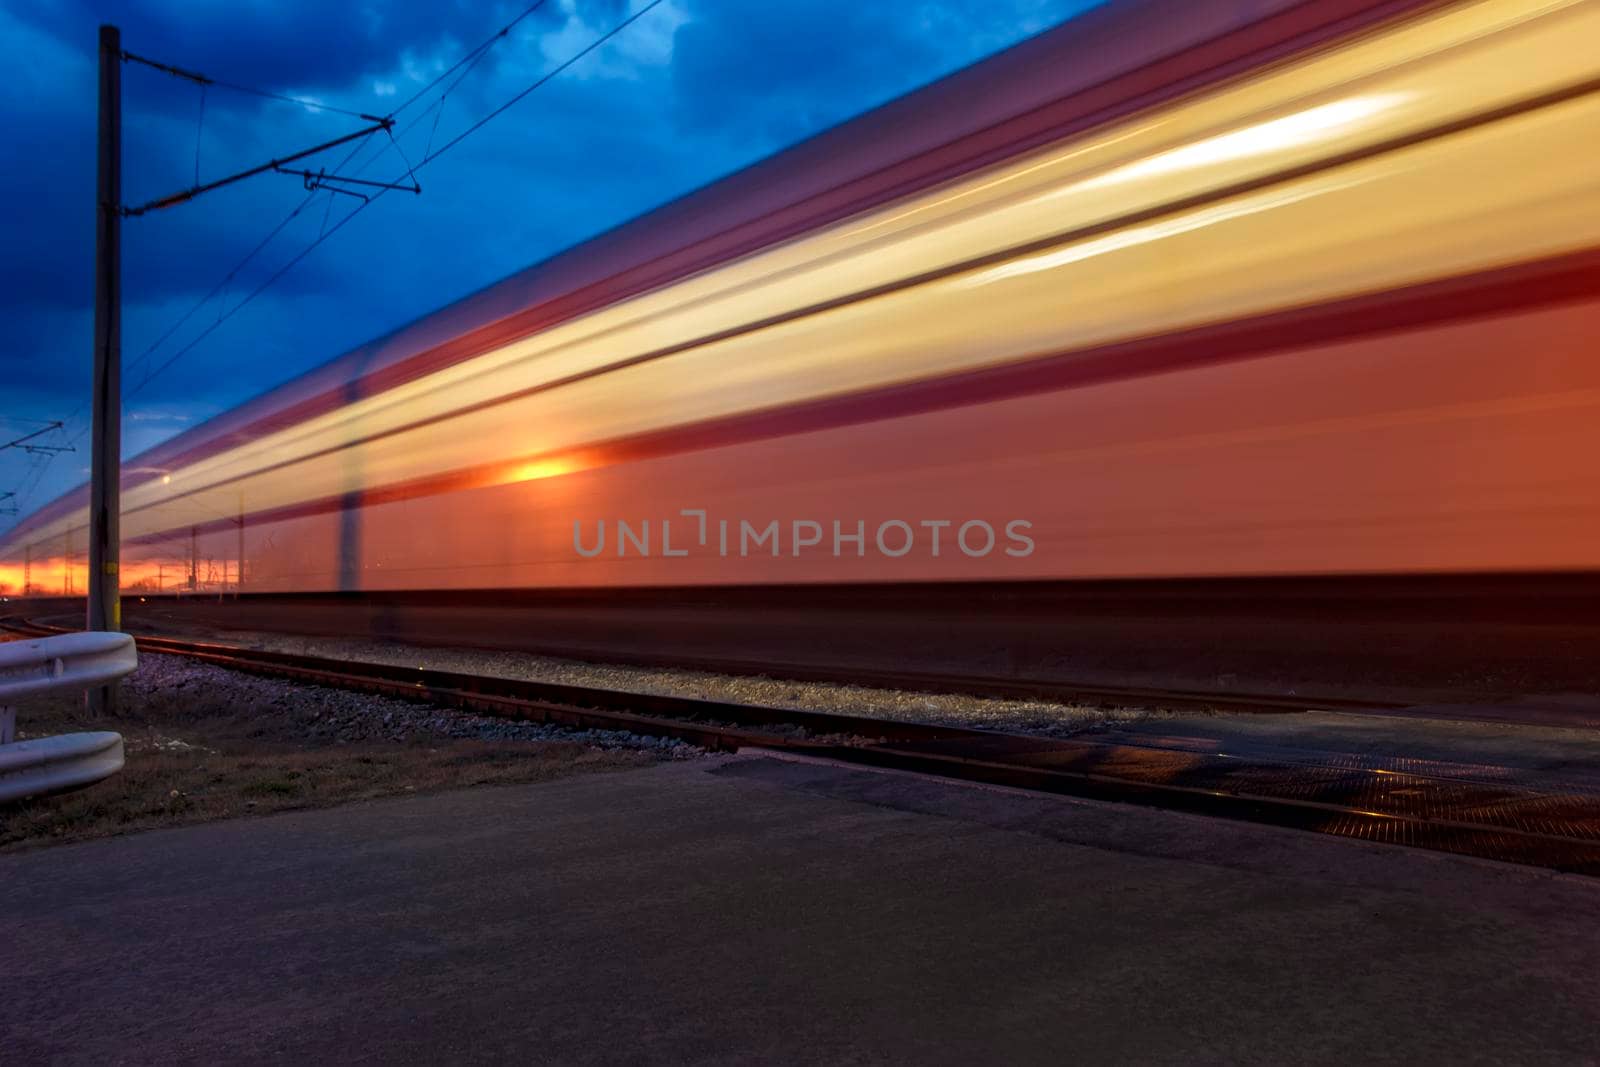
x=1308, y=291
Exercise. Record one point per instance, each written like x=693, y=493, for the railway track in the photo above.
x=1480, y=811
x=1257, y=645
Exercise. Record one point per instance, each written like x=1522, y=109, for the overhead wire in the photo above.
x=39, y=461
x=204, y=80
x=543, y=79
x=469, y=61
x=257, y=291
x=473, y=56
x=433, y=155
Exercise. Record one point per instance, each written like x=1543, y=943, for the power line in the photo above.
x=387, y=187
x=37, y=449
x=226, y=278
x=260, y=168
x=470, y=60
x=472, y=56
x=257, y=291
x=41, y=467
x=205, y=80
x=596, y=43
x=465, y=65
x=41, y=460
x=237, y=267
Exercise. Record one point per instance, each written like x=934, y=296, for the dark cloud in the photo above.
x=284, y=45
x=798, y=70
x=770, y=74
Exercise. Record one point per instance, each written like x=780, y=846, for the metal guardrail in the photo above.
x=33, y=666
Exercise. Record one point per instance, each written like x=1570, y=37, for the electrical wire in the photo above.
x=596, y=43
x=268, y=94
x=472, y=56
x=435, y=154
x=470, y=60
x=226, y=279
x=257, y=291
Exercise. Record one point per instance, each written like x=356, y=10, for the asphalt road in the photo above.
x=752, y=910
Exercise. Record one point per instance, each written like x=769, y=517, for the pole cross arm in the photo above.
x=22, y=442
x=271, y=164
x=321, y=179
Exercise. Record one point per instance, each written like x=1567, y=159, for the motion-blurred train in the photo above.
x=1188, y=288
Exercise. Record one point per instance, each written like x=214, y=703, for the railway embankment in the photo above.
x=206, y=743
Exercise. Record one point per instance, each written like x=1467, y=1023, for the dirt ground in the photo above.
x=203, y=743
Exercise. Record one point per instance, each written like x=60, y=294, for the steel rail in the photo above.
x=943, y=683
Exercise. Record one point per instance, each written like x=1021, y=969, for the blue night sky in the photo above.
x=693, y=90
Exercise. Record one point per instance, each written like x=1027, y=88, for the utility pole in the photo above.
x=105, y=472
x=105, y=607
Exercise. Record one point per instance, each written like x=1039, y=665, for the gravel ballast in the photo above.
x=343, y=716
x=949, y=709
x=203, y=742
